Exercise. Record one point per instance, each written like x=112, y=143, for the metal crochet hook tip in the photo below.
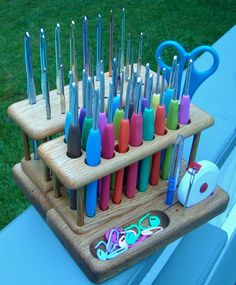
x=147, y=72
x=110, y=103
x=99, y=46
x=140, y=50
x=127, y=99
x=176, y=81
x=85, y=45
x=102, y=91
x=95, y=108
x=73, y=63
x=172, y=73
x=47, y=96
x=43, y=62
x=163, y=86
x=62, y=95
x=127, y=58
x=158, y=74
x=122, y=57
x=188, y=77
x=149, y=90
x=111, y=43
x=31, y=91
x=58, y=55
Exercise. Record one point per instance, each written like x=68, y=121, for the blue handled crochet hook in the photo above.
x=93, y=157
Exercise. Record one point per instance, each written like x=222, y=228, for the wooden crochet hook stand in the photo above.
x=45, y=181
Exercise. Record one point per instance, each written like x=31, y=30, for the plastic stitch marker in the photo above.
x=170, y=90
x=82, y=113
x=87, y=125
x=135, y=139
x=116, y=252
x=69, y=114
x=107, y=151
x=123, y=141
x=58, y=55
x=93, y=158
x=144, y=97
x=159, y=127
x=175, y=167
x=171, y=123
x=184, y=107
x=148, y=134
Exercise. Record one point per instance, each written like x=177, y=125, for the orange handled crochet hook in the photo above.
x=123, y=141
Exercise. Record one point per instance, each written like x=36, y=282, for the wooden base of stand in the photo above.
x=80, y=244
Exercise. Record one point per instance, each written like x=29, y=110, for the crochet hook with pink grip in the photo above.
x=135, y=139
x=108, y=141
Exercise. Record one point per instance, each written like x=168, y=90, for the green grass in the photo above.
x=192, y=23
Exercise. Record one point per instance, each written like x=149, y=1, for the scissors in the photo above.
x=198, y=77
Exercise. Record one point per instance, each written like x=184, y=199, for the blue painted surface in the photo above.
x=30, y=253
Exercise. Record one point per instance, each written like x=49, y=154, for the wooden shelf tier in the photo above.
x=80, y=246
x=75, y=173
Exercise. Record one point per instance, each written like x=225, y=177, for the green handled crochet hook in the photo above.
x=171, y=123
x=148, y=133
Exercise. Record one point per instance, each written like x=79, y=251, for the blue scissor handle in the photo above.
x=181, y=57
x=198, y=77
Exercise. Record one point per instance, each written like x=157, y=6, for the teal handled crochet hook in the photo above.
x=87, y=125
x=170, y=90
x=93, y=157
x=184, y=107
x=171, y=123
x=58, y=55
x=148, y=134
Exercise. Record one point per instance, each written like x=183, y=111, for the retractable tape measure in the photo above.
x=198, y=183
